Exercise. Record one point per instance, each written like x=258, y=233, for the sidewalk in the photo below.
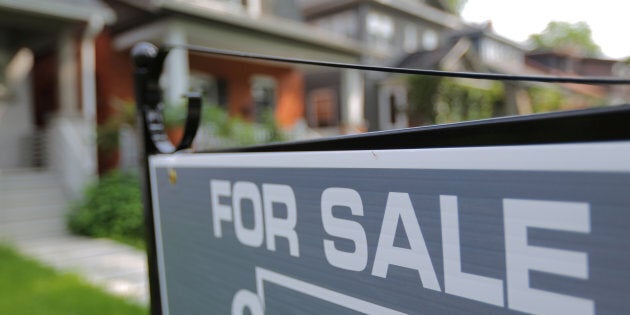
x=118, y=268
x=32, y=219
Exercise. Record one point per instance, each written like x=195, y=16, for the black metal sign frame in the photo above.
x=606, y=124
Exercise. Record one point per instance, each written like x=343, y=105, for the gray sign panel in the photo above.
x=529, y=229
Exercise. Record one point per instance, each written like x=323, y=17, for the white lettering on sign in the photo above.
x=247, y=191
x=456, y=282
x=520, y=257
x=220, y=212
x=399, y=214
x=266, y=226
x=280, y=227
x=344, y=197
x=519, y=215
x=399, y=209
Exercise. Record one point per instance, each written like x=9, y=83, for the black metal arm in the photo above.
x=148, y=60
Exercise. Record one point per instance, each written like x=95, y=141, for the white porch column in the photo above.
x=16, y=111
x=352, y=99
x=176, y=73
x=67, y=76
x=88, y=90
x=88, y=69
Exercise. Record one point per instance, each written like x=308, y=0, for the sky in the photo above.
x=517, y=19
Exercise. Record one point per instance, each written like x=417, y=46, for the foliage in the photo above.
x=125, y=111
x=107, y=134
x=455, y=6
x=441, y=100
x=233, y=130
x=174, y=115
x=269, y=123
x=111, y=208
x=460, y=102
x=546, y=99
x=423, y=92
x=27, y=287
x=452, y=6
x=236, y=131
x=575, y=38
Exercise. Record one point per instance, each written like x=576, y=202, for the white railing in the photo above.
x=72, y=153
x=129, y=144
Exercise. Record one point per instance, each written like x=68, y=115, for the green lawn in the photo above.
x=27, y=287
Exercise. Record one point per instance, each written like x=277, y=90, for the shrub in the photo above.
x=235, y=131
x=111, y=208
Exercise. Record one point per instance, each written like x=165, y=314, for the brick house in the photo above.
x=81, y=69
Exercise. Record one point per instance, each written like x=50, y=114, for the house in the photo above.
x=81, y=69
x=421, y=34
x=48, y=86
x=387, y=31
x=471, y=49
x=245, y=88
x=415, y=34
x=571, y=64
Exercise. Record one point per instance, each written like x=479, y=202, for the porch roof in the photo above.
x=72, y=10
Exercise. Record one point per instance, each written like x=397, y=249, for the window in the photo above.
x=263, y=89
x=430, y=40
x=212, y=89
x=322, y=108
x=380, y=29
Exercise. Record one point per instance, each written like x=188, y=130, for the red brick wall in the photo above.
x=290, y=98
x=114, y=86
x=114, y=77
x=290, y=94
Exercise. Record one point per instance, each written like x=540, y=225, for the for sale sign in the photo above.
x=482, y=230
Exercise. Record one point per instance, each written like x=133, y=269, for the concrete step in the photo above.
x=21, y=183
x=22, y=171
x=25, y=175
x=30, y=229
x=31, y=197
x=49, y=211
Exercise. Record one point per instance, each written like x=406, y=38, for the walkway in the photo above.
x=32, y=218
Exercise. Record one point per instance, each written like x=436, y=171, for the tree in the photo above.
x=423, y=93
x=443, y=100
x=574, y=38
x=451, y=6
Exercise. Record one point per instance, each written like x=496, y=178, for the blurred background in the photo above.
x=67, y=110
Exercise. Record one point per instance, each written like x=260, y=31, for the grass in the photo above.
x=27, y=287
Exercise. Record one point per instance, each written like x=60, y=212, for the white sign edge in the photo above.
x=157, y=225
x=597, y=156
